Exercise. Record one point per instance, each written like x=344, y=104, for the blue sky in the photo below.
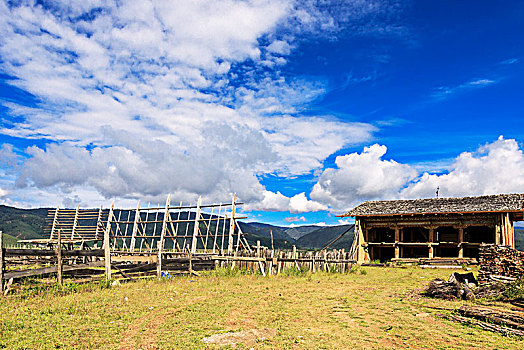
x=302, y=108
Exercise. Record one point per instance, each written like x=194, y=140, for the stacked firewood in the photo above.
x=500, y=264
x=502, y=321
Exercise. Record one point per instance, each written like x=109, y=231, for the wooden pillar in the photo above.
x=461, y=240
x=397, y=240
x=511, y=232
x=59, y=258
x=498, y=230
x=107, y=245
x=362, y=256
x=431, y=239
x=1, y=263
x=162, y=238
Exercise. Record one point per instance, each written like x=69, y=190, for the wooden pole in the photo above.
x=135, y=228
x=232, y=224
x=162, y=239
x=1, y=262
x=59, y=258
x=55, y=221
x=195, y=228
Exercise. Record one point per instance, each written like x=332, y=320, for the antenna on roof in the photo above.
x=438, y=188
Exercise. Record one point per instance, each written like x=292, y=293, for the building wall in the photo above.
x=431, y=235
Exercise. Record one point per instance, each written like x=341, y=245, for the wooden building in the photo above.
x=436, y=227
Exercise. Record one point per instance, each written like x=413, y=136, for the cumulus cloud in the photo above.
x=362, y=176
x=276, y=201
x=496, y=167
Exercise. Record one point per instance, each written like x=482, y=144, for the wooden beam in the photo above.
x=35, y=272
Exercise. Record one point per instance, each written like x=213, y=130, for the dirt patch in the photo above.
x=245, y=337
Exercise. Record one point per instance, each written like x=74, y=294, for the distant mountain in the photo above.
x=29, y=224
x=324, y=235
x=265, y=230
x=519, y=238
x=298, y=231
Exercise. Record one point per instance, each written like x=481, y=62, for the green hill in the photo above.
x=22, y=223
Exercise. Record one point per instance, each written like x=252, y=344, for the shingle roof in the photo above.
x=493, y=203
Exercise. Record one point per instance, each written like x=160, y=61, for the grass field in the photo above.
x=371, y=308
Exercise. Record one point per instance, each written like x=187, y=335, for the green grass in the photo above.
x=367, y=308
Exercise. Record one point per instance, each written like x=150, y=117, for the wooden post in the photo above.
x=162, y=238
x=397, y=240
x=59, y=258
x=190, y=262
x=1, y=262
x=232, y=224
x=107, y=247
x=196, y=228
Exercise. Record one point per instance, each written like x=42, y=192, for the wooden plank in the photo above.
x=50, y=252
x=135, y=258
x=52, y=269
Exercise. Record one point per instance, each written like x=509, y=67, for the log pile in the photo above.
x=500, y=264
x=501, y=321
x=461, y=286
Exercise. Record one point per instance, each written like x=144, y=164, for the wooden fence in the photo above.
x=17, y=263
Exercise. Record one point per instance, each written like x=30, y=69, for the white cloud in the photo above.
x=141, y=98
x=361, y=176
x=496, y=167
x=278, y=202
x=295, y=219
x=443, y=92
